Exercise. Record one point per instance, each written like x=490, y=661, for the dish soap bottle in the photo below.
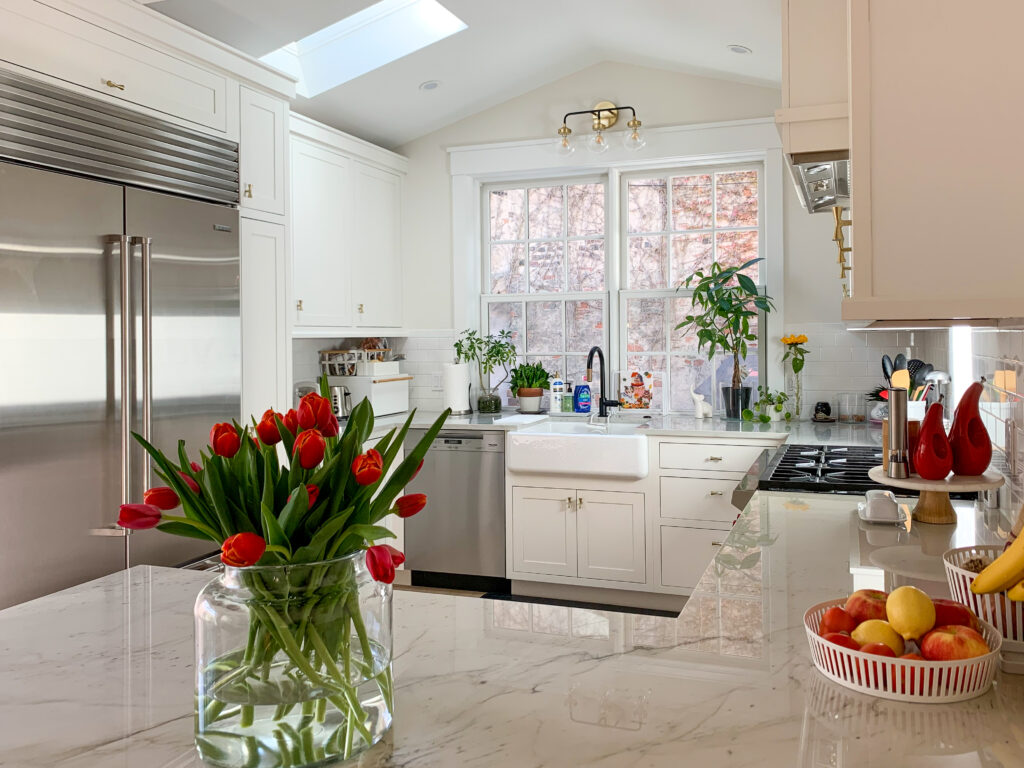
x=581, y=398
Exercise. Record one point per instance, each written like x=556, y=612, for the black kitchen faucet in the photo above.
x=603, y=403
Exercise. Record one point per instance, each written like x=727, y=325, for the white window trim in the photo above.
x=740, y=141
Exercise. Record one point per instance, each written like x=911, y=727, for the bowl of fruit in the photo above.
x=903, y=645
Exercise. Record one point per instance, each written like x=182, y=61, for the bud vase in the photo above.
x=795, y=390
x=293, y=664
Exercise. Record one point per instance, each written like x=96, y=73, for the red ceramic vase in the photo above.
x=972, y=448
x=933, y=456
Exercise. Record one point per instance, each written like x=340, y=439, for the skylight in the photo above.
x=375, y=36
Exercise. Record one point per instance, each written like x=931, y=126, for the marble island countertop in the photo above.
x=670, y=425
x=101, y=674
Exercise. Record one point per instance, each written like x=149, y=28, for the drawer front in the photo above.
x=89, y=56
x=708, y=457
x=698, y=499
x=686, y=553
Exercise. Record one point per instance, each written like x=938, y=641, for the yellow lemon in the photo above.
x=878, y=631
x=910, y=612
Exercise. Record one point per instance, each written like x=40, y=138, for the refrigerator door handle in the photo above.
x=147, y=342
x=126, y=425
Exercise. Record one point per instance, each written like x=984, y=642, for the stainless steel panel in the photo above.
x=194, y=338
x=50, y=126
x=462, y=530
x=60, y=391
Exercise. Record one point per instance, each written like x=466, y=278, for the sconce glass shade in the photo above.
x=632, y=139
x=565, y=145
x=598, y=143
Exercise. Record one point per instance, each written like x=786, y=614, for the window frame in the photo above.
x=523, y=299
x=625, y=293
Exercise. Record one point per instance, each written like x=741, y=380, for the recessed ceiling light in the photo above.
x=429, y=85
x=740, y=49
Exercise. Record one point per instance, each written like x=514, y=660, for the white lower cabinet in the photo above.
x=578, y=533
x=686, y=552
x=698, y=498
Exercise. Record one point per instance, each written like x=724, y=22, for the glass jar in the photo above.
x=293, y=664
x=489, y=401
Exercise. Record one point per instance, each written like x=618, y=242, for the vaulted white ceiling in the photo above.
x=510, y=47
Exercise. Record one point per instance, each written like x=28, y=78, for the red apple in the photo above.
x=867, y=604
x=836, y=619
x=878, y=670
x=879, y=649
x=917, y=676
x=840, y=639
x=950, y=612
x=952, y=642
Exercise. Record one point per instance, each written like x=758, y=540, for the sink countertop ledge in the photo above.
x=101, y=674
x=671, y=425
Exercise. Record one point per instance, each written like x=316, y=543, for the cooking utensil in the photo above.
x=900, y=363
x=887, y=369
x=922, y=375
x=914, y=366
x=901, y=379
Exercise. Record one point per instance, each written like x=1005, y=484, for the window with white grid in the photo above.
x=673, y=224
x=545, y=270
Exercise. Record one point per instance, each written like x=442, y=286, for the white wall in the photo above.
x=659, y=96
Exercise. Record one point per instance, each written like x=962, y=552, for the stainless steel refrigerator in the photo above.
x=119, y=312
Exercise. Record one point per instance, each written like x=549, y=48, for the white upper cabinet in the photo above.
x=262, y=146
x=346, y=218
x=375, y=257
x=813, y=115
x=54, y=43
x=935, y=125
x=320, y=234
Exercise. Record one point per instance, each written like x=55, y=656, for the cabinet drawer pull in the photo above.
x=579, y=502
x=716, y=543
x=717, y=493
x=248, y=191
x=714, y=458
x=568, y=502
x=112, y=84
x=298, y=305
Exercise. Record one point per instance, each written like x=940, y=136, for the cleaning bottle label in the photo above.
x=581, y=398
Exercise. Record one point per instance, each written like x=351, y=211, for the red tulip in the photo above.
x=368, y=467
x=224, y=440
x=192, y=484
x=195, y=467
x=418, y=468
x=267, y=428
x=291, y=421
x=315, y=411
x=380, y=563
x=162, y=497
x=309, y=448
x=312, y=491
x=139, y=517
x=409, y=505
x=331, y=428
x=397, y=556
x=242, y=549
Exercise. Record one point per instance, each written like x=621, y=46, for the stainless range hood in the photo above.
x=822, y=179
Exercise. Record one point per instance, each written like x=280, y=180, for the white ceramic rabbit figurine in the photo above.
x=701, y=410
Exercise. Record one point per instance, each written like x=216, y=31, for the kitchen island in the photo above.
x=101, y=674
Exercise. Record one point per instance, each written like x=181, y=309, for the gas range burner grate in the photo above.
x=827, y=469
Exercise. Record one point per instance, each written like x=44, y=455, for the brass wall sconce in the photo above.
x=603, y=116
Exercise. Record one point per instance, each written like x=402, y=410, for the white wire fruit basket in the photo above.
x=924, y=682
x=1006, y=615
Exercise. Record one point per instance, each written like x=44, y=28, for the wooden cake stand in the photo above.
x=934, y=505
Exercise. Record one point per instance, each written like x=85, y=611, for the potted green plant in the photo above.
x=724, y=300
x=528, y=384
x=488, y=352
x=769, y=406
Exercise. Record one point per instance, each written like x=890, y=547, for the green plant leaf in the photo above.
x=184, y=529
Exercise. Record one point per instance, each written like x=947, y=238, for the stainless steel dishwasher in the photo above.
x=459, y=539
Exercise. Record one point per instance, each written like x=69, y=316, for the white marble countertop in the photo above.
x=101, y=674
x=672, y=425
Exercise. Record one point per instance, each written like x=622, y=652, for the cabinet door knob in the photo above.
x=717, y=493
x=714, y=458
x=568, y=502
x=579, y=502
x=248, y=190
x=298, y=305
x=112, y=84
x=360, y=309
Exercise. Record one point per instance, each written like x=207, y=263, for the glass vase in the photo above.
x=489, y=401
x=795, y=390
x=293, y=664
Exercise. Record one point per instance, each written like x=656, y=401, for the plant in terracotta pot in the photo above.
x=528, y=384
x=488, y=352
x=724, y=301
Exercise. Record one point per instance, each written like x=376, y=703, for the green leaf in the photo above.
x=747, y=414
x=273, y=530
x=401, y=476
x=798, y=364
x=184, y=529
x=286, y=436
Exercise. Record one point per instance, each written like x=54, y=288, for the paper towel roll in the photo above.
x=456, y=387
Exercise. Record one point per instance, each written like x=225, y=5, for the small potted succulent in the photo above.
x=528, y=384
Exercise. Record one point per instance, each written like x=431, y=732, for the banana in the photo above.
x=1016, y=592
x=1007, y=570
